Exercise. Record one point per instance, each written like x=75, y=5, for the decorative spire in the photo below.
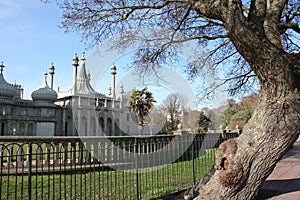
x=113, y=69
x=83, y=58
x=75, y=60
x=44, y=93
x=6, y=89
x=51, y=72
x=1, y=66
x=51, y=69
x=45, y=79
x=75, y=65
x=113, y=84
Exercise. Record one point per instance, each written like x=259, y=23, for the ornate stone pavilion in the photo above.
x=78, y=111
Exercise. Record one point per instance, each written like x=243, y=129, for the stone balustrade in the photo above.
x=48, y=154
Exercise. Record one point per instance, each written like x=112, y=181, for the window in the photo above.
x=22, y=128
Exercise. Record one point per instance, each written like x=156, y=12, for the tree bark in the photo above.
x=243, y=164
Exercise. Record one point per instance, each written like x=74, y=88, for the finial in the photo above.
x=45, y=77
x=113, y=69
x=109, y=91
x=1, y=66
x=75, y=60
x=83, y=58
x=51, y=68
x=114, y=66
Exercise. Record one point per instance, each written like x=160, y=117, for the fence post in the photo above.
x=29, y=169
x=1, y=165
x=193, y=162
x=136, y=169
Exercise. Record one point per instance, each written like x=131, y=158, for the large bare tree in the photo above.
x=172, y=105
x=252, y=38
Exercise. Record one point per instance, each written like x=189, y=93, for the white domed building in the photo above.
x=78, y=111
x=37, y=117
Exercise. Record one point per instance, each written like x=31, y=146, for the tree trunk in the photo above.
x=243, y=164
x=140, y=122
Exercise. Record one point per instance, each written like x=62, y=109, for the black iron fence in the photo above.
x=103, y=167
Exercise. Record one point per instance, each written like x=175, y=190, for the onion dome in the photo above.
x=44, y=93
x=6, y=89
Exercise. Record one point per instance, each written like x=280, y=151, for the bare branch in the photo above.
x=295, y=27
x=210, y=23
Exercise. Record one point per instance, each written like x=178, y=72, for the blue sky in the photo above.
x=31, y=40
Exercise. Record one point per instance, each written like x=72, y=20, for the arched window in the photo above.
x=83, y=127
x=76, y=125
x=30, y=129
x=2, y=111
x=117, y=127
x=22, y=128
x=66, y=128
x=13, y=129
x=93, y=126
x=101, y=123
x=109, y=127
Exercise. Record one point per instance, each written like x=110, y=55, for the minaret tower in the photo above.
x=75, y=65
x=51, y=72
x=113, y=83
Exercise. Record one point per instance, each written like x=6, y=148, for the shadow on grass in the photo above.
x=173, y=196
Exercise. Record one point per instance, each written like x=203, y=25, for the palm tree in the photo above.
x=141, y=102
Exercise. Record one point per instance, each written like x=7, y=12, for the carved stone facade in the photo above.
x=79, y=111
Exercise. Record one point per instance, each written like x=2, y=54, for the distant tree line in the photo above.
x=231, y=115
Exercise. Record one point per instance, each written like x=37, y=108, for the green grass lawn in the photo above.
x=152, y=182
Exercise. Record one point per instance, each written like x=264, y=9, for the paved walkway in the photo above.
x=284, y=182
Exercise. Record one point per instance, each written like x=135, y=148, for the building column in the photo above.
x=113, y=84
x=75, y=65
x=51, y=72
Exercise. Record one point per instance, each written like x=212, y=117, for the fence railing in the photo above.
x=103, y=167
